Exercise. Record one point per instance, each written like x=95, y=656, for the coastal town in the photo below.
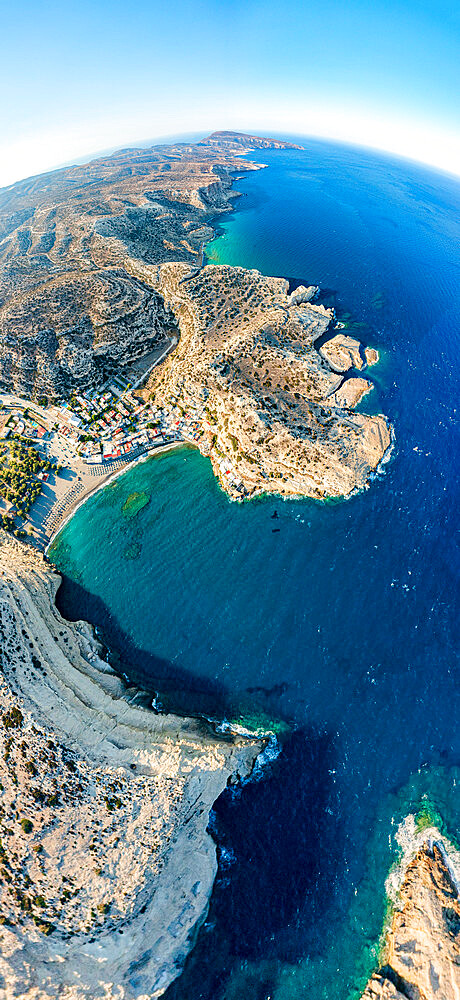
x=69, y=443
x=260, y=432
x=116, y=344
x=146, y=351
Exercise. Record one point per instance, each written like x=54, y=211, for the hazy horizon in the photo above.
x=92, y=77
x=196, y=136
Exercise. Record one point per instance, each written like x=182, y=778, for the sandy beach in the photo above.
x=89, y=487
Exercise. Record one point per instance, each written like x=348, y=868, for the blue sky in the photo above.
x=82, y=77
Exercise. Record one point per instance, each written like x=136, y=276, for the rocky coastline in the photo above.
x=278, y=418
x=102, y=263
x=105, y=861
x=421, y=955
x=104, y=805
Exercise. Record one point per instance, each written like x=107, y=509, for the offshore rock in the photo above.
x=371, y=355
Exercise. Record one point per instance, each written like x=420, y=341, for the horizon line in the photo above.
x=194, y=137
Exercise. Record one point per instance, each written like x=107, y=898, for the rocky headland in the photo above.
x=342, y=353
x=106, y=866
x=278, y=418
x=421, y=958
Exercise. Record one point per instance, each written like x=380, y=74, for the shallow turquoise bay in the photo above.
x=342, y=624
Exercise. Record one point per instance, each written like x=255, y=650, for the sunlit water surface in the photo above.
x=343, y=623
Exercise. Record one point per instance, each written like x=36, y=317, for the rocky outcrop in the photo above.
x=303, y=294
x=342, y=353
x=371, y=355
x=276, y=417
x=350, y=392
x=105, y=861
x=422, y=954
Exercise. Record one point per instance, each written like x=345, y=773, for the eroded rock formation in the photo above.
x=342, y=353
x=278, y=419
x=422, y=956
x=105, y=863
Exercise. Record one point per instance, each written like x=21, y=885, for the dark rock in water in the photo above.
x=276, y=690
x=132, y=551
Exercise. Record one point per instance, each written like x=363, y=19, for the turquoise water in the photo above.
x=342, y=625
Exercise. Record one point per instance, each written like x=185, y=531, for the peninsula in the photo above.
x=276, y=417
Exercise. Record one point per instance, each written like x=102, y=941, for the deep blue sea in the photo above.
x=340, y=631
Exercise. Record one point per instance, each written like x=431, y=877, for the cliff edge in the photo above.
x=422, y=954
x=105, y=861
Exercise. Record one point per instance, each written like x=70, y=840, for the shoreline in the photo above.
x=257, y=495
x=419, y=950
x=167, y=771
x=109, y=478
x=318, y=491
x=184, y=720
